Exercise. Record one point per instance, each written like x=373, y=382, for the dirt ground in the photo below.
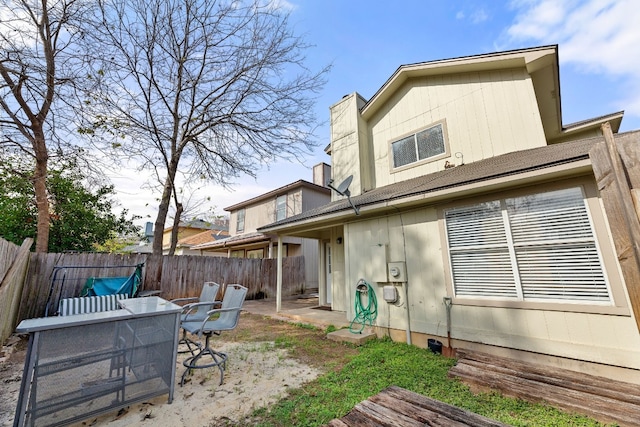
x=258, y=374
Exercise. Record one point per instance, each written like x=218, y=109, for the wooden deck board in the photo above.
x=398, y=407
x=600, y=398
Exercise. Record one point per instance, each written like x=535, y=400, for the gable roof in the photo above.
x=278, y=192
x=575, y=153
x=541, y=63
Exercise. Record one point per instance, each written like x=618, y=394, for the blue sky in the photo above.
x=367, y=40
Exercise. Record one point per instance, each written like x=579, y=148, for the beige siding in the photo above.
x=346, y=144
x=340, y=290
x=294, y=203
x=411, y=237
x=312, y=199
x=310, y=252
x=258, y=215
x=486, y=114
x=416, y=237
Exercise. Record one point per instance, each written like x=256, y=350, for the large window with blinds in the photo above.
x=539, y=247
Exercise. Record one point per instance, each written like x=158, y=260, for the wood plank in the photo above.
x=11, y=288
x=451, y=412
x=630, y=214
x=385, y=416
x=609, y=172
x=598, y=407
x=420, y=415
x=395, y=407
x=625, y=392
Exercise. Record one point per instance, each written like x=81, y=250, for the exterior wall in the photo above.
x=310, y=248
x=603, y=335
x=260, y=214
x=312, y=199
x=486, y=114
x=348, y=135
x=340, y=285
x=321, y=174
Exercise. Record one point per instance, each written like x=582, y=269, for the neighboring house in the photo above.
x=471, y=191
x=193, y=233
x=284, y=202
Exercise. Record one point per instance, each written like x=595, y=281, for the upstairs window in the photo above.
x=423, y=145
x=240, y=221
x=281, y=207
x=539, y=247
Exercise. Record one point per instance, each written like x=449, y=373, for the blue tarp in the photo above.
x=113, y=285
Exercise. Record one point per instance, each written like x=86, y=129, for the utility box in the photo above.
x=390, y=293
x=396, y=272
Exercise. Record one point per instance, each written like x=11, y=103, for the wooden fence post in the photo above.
x=609, y=171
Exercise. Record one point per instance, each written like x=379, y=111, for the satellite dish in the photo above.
x=344, y=187
x=343, y=190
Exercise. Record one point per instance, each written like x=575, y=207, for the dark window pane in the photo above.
x=404, y=151
x=430, y=142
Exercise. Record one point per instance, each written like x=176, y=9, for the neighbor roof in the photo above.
x=239, y=239
x=277, y=192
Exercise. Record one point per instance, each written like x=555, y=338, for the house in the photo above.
x=477, y=216
x=284, y=202
x=193, y=233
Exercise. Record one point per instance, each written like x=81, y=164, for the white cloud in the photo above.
x=478, y=16
x=597, y=36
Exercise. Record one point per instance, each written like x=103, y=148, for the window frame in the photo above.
x=240, y=219
x=602, y=238
x=284, y=207
x=250, y=253
x=418, y=162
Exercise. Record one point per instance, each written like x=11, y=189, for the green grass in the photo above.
x=381, y=363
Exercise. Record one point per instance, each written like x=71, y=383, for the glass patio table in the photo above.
x=83, y=365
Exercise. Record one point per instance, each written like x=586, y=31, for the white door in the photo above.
x=327, y=263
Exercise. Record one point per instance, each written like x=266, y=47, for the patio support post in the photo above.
x=279, y=277
x=322, y=273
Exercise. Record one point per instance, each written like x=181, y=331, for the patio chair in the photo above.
x=196, y=311
x=221, y=319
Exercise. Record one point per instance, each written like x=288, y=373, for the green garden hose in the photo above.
x=364, y=313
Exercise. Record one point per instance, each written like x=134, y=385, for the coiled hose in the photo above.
x=365, y=313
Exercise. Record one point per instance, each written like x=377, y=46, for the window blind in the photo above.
x=535, y=247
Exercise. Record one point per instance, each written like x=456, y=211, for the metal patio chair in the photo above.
x=196, y=311
x=221, y=319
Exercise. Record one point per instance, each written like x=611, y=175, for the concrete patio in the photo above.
x=302, y=308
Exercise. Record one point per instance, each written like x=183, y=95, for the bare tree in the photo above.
x=211, y=89
x=186, y=204
x=36, y=40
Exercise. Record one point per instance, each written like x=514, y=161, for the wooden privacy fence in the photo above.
x=173, y=276
x=13, y=268
x=616, y=168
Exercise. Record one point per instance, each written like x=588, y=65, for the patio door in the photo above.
x=327, y=263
